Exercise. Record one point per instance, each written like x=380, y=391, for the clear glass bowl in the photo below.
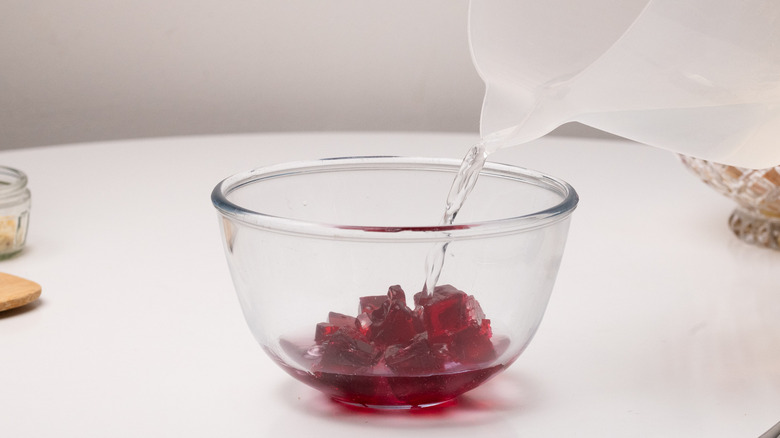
x=328, y=261
x=756, y=220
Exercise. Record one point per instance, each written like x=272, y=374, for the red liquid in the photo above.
x=394, y=391
x=388, y=390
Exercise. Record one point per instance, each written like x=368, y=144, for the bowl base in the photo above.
x=756, y=229
x=390, y=407
x=394, y=392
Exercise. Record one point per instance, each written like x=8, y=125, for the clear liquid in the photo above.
x=462, y=185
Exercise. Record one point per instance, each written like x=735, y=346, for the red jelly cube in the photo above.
x=484, y=328
x=363, y=323
x=377, y=308
x=324, y=331
x=474, y=313
x=369, y=304
x=472, y=344
x=443, y=312
x=393, y=324
x=396, y=295
x=347, y=351
x=341, y=320
x=420, y=357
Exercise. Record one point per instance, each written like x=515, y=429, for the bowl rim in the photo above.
x=510, y=225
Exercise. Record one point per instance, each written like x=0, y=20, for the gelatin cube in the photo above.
x=392, y=322
x=474, y=313
x=378, y=315
x=443, y=312
x=397, y=326
x=396, y=295
x=341, y=320
x=347, y=350
x=484, y=328
x=363, y=323
x=439, y=293
x=419, y=357
x=472, y=345
x=324, y=331
x=369, y=304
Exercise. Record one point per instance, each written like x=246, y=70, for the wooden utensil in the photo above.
x=16, y=291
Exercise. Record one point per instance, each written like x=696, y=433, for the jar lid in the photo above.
x=11, y=180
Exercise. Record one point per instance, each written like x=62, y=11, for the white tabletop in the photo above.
x=661, y=324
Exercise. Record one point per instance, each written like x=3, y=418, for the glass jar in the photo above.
x=14, y=211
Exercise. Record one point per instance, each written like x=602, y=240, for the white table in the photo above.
x=661, y=324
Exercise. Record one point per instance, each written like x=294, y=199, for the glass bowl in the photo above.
x=756, y=220
x=328, y=259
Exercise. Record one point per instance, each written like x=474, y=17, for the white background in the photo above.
x=98, y=70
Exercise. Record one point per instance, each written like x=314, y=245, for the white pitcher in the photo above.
x=697, y=77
